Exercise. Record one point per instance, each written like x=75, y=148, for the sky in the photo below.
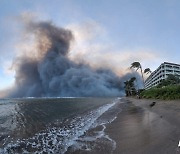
x=110, y=32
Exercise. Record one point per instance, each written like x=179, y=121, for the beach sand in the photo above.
x=141, y=129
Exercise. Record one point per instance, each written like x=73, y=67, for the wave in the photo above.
x=58, y=139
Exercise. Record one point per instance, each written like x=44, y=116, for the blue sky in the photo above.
x=132, y=27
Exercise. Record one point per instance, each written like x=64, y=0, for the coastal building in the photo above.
x=161, y=73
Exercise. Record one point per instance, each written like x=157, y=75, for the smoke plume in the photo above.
x=47, y=71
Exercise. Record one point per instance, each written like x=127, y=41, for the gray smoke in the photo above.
x=51, y=73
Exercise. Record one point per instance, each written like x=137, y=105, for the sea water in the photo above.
x=56, y=125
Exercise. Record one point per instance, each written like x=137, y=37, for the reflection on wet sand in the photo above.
x=137, y=130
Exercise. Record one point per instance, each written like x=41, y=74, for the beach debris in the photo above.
x=152, y=104
x=179, y=144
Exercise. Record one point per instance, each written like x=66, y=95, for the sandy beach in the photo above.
x=140, y=128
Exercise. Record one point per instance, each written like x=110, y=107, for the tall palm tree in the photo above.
x=138, y=66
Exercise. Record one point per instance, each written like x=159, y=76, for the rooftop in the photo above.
x=171, y=63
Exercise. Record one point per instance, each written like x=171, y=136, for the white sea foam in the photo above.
x=100, y=134
x=58, y=139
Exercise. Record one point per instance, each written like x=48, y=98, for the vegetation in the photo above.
x=167, y=89
x=129, y=87
x=171, y=80
x=129, y=84
x=137, y=66
x=169, y=92
x=147, y=71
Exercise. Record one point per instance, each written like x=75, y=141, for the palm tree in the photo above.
x=147, y=71
x=132, y=85
x=129, y=87
x=131, y=82
x=138, y=66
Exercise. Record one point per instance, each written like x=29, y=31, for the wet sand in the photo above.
x=140, y=129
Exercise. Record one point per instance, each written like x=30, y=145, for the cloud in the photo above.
x=103, y=52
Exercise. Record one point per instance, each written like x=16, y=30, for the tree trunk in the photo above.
x=142, y=77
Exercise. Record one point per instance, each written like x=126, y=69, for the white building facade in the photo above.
x=161, y=73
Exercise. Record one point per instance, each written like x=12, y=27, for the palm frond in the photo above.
x=147, y=71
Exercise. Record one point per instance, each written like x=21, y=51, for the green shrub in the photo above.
x=169, y=92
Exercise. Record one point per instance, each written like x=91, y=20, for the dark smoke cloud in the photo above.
x=51, y=73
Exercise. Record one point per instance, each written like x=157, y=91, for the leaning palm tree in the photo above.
x=138, y=66
x=147, y=71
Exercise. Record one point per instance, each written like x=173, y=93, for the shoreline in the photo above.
x=142, y=129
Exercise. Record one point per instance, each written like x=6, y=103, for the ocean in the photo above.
x=57, y=125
